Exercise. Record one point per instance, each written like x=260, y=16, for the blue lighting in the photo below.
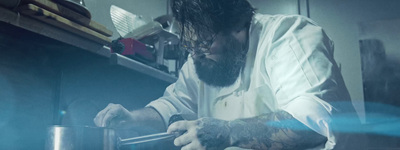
x=62, y=112
x=382, y=119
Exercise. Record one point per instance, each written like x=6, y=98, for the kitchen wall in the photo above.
x=341, y=18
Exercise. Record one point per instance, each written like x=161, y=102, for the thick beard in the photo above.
x=224, y=72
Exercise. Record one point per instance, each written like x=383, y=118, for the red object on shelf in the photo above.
x=134, y=48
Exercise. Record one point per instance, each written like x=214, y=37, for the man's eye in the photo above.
x=240, y=29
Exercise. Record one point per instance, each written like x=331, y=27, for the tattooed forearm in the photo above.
x=278, y=130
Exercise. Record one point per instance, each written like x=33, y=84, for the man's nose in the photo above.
x=217, y=46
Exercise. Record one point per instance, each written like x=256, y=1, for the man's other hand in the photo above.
x=114, y=115
x=201, y=134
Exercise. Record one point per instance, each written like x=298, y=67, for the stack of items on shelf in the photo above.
x=153, y=42
x=69, y=15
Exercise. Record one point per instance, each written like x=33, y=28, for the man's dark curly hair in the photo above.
x=201, y=18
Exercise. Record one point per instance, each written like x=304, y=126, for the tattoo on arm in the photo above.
x=278, y=130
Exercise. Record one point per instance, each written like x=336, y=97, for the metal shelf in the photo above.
x=41, y=28
x=121, y=60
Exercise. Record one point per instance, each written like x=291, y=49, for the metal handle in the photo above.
x=146, y=138
x=153, y=137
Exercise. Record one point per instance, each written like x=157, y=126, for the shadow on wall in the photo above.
x=381, y=77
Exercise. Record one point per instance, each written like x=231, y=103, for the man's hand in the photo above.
x=114, y=115
x=201, y=134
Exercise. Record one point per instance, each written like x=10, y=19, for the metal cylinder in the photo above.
x=80, y=138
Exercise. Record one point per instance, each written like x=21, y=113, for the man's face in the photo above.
x=221, y=66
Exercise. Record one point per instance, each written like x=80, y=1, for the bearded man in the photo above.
x=254, y=81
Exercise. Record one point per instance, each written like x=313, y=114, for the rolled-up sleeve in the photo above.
x=179, y=97
x=304, y=75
